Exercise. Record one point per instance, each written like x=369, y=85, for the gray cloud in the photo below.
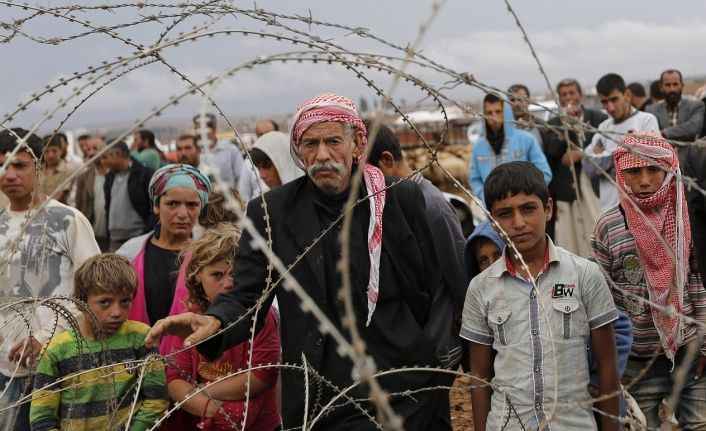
x=579, y=40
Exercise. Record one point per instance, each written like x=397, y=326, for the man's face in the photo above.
x=112, y=159
x=616, y=104
x=137, y=141
x=520, y=103
x=52, y=156
x=82, y=144
x=188, y=152
x=570, y=99
x=637, y=101
x=268, y=173
x=644, y=181
x=90, y=148
x=389, y=166
x=327, y=152
x=494, y=115
x=111, y=310
x=262, y=127
x=486, y=253
x=178, y=210
x=18, y=180
x=524, y=218
x=672, y=87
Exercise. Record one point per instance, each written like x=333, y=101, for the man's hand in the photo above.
x=25, y=352
x=191, y=327
x=571, y=157
x=700, y=367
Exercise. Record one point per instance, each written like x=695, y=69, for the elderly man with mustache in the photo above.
x=394, y=276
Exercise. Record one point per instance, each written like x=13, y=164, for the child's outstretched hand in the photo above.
x=191, y=327
x=25, y=352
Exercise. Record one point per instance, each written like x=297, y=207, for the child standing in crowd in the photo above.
x=221, y=406
x=545, y=327
x=644, y=247
x=67, y=395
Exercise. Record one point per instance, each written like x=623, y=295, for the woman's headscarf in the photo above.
x=175, y=175
x=666, y=271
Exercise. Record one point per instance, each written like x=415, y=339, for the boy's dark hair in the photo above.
x=385, y=140
x=515, y=87
x=148, y=137
x=509, y=179
x=105, y=273
x=569, y=82
x=637, y=89
x=8, y=141
x=656, y=89
x=122, y=148
x=260, y=158
x=609, y=83
x=492, y=98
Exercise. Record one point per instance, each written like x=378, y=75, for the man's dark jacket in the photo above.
x=692, y=159
x=138, y=184
x=409, y=277
x=555, y=146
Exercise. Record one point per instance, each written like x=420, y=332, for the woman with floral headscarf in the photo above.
x=178, y=194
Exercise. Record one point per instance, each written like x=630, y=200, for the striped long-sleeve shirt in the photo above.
x=99, y=399
x=614, y=250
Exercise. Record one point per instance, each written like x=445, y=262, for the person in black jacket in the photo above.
x=127, y=203
x=394, y=276
x=692, y=159
x=562, y=156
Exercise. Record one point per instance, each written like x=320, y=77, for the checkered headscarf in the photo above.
x=666, y=211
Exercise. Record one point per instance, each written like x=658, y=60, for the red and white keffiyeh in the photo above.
x=665, y=270
x=331, y=107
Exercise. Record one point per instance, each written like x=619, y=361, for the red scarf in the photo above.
x=666, y=212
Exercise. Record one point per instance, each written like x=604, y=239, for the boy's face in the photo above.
x=493, y=112
x=111, y=310
x=616, y=104
x=644, y=181
x=524, y=218
x=486, y=253
x=18, y=180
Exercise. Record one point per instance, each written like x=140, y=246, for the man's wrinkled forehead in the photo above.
x=324, y=129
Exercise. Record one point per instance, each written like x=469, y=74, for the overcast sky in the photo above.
x=581, y=39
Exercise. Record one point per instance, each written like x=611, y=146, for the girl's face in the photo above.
x=216, y=278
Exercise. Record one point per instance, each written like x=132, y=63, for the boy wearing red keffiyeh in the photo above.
x=644, y=247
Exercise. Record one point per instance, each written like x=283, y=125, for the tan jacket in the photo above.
x=84, y=193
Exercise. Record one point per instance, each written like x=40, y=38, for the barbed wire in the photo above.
x=322, y=51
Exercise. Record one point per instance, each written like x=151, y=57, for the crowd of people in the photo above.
x=156, y=309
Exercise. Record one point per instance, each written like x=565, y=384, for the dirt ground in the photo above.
x=460, y=396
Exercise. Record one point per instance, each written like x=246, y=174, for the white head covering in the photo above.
x=276, y=146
